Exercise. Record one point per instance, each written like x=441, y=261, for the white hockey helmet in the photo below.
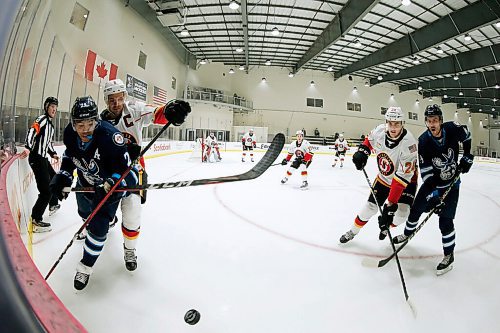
x=113, y=87
x=299, y=132
x=394, y=113
x=341, y=135
x=251, y=130
x=212, y=134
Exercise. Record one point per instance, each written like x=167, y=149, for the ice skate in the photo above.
x=284, y=180
x=347, y=237
x=399, y=239
x=304, y=185
x=243, y=160
x=251, y=159
x=130, y=258
x=382, y=235
x=53, y=209
x=445, y=265
x=40, y=226
x=82, y=276
x=334, y=164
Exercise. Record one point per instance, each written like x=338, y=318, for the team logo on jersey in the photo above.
x=445, y=164
x=118, y=139
x=129, y=138
x=385, y=164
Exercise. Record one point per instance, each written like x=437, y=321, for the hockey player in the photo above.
x=396, y=182
x=302, y=151
x=438, y=158
x=341, y=145
x=211, y=147
x=97, y=150
x=249, y=143
x=129, y=117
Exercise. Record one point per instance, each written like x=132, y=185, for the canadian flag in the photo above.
x=98, y=69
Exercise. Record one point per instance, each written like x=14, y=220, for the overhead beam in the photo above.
x=470, y=93
x=464, y=102
x=460, y=62
x=475, y=80
x=352, y=12
x=466, y=19
x=244, y=19
x=186, y=57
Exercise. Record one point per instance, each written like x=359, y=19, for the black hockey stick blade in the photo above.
x=266, y=161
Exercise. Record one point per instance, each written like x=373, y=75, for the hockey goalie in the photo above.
x=211, y=149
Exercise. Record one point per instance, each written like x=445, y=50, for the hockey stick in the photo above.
x=269, y=157
x=101, y=203
x=392, y=244
x=383, y=262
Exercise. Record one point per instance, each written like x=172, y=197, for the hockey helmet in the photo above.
x=212, y=134
x=433, y=110
x=113, y=87
x=299, y=132
x=84, y=108
x=394, y=113
x=48, y=101
x=341, y=135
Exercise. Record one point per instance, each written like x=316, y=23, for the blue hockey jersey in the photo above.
x=438, y=157
x=104, y=156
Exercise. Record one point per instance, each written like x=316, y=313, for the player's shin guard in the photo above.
x=92, y=248
x=131, y=216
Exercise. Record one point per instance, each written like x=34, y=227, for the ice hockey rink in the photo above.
x=259, y=256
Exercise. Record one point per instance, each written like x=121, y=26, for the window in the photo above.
x=142, y=60
x=79, y=16
x=383, y=110
x=499, y=136
x=174, y=83
x=353, y=107
x=314, y=102
x=412, y=116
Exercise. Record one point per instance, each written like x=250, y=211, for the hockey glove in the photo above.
x=134, y=151
x=361, y=157
x=60, y=180
x=466, y=163
x=284, y=162
x=385, y=220
x=103, y=188
x=176, y=111
x=434, y=201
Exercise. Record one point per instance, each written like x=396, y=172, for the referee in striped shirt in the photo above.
x=38, y=146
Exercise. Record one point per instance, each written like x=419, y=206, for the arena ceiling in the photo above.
x=447, y=48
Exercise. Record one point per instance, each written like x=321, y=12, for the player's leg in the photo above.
x=251, y=153
x=447, y=228
x=244, y=153
x=131, y=226
x=336, y=158
x=342, y=157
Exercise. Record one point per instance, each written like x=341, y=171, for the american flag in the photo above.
x=159, y=96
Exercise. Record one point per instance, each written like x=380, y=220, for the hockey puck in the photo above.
x=192, y=317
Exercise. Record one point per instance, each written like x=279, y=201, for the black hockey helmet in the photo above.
x=433, y=110
x=84, y=108
x=48, y=101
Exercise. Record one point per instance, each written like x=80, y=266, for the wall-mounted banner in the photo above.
x=98, y=69
x=136, y=88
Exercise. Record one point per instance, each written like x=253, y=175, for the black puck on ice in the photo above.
x=192, y=317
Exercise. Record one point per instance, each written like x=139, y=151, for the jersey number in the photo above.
x=410, y=167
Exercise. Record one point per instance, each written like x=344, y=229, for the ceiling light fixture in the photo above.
x=415, y=60
x=430, y=99
x=330, y=69
x=439, y=50
x=417, y=101
x=357, y=42
x=184, y=32
x=460, y=93
x=396, y=71
x=203, y=61
x=406, y=2
x=497, y=24
x=234, y=5
x=231, y=71
x=355, y=89
x=241, y=68
x=312, y=83
x=379, y=77
x=263, y=79
x=275, y=31
x=478, y=89
x=445, y=96
x=497, y=86
x=492, y=109
x=268, y=62
x=419, y=88
x=455, y=77
x=495, y=99
x=392, y=95
x=239, y=49
x=291, y=74
x=465, y=103
x=467, y=37
x=367, y=84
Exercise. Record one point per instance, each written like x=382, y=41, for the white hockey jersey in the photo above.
x=302, y=151
x=249, y=140
x=135, y=116
x=211, y=142
x=341, y=146
x=395, y=159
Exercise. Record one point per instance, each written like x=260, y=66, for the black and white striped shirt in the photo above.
x=39, y=137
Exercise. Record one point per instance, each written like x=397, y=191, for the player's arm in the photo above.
x=467, y=158
x=404, y=172
x=63, y=178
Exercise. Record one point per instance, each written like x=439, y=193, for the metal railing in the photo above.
x=218, y=96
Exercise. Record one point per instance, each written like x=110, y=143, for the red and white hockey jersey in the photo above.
x=211, y=142
x=302, y=151
x=396, y=159
x=249, y=140
x=341, y=146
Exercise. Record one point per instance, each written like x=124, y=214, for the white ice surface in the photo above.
x=258, y=256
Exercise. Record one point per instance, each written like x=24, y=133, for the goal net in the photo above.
x=197, y=154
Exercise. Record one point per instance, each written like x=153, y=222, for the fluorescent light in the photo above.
x=406, y=2
x=275, y=31
x=234, y=5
